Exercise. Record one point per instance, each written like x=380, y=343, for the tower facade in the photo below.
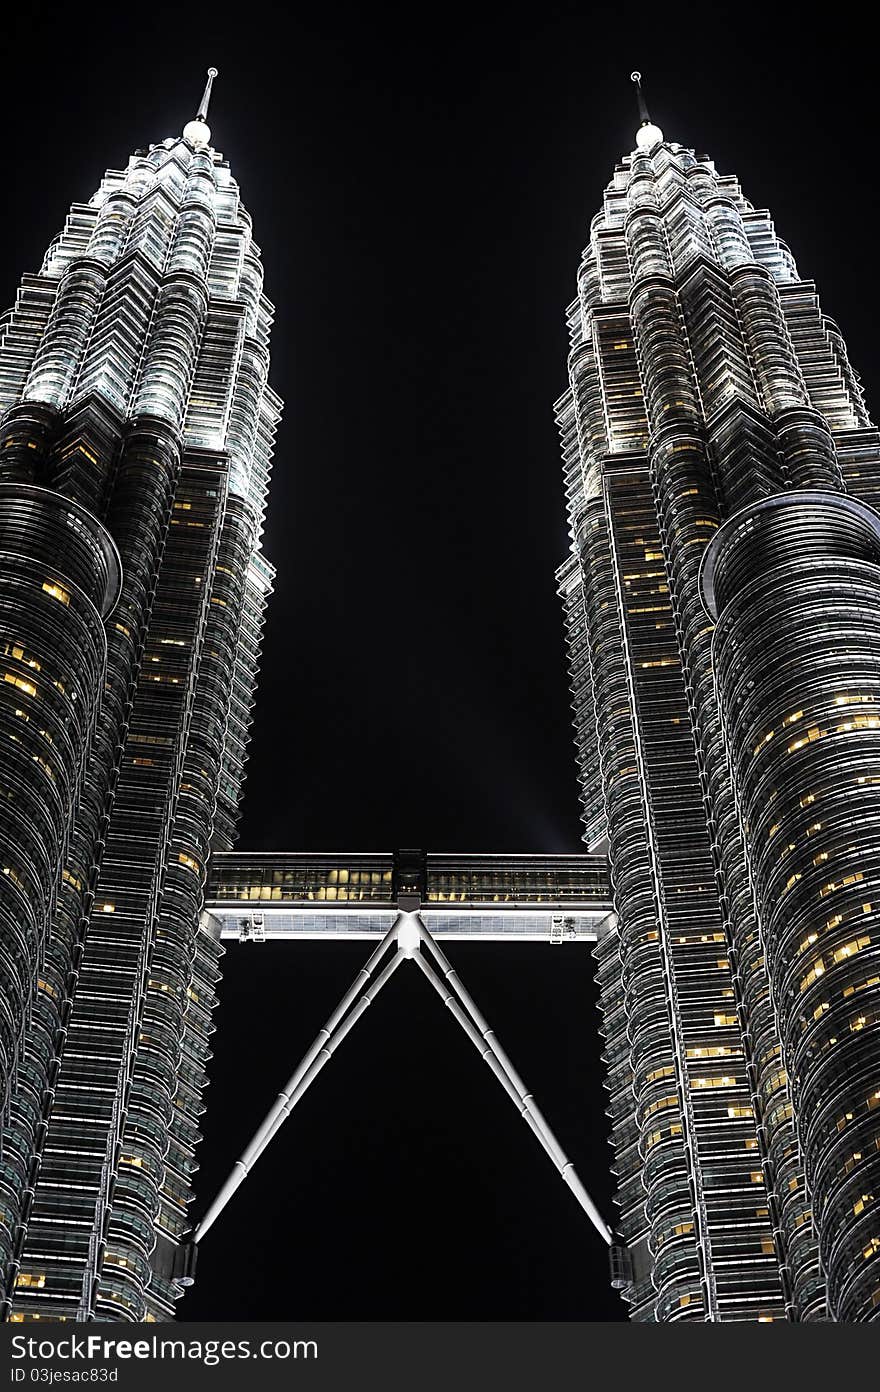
x=135, y=444
x=721, y=598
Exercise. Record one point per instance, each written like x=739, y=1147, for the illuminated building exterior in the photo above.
x=135, y=442
x=721, y=597
x=713, y=421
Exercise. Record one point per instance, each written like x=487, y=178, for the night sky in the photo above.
x=421, y=183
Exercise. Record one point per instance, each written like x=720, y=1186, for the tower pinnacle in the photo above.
x=647, y=134
x=197, y=132
x=202, y=114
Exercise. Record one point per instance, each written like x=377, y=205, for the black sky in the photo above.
x=421, y=182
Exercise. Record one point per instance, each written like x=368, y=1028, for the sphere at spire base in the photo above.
x=197, y=133
x=648, y=135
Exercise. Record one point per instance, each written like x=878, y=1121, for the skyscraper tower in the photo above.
x=135, y=444
x=722, y=598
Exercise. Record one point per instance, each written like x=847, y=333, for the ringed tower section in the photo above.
x=134, y=382
x=704, y=378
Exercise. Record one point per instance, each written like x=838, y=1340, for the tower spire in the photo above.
x=197, y=131
x=647, y=134
x=202, y=113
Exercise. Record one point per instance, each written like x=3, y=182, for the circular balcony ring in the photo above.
x=857, y=522
x=83, y=524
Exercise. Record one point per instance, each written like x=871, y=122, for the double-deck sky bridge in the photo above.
x=462, y=898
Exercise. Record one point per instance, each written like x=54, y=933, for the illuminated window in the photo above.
x=670, y=1101
x=858, y=1022
x=816, y=970
x=659, y=1073
x=851, y=948
x=814, y=733
x=38, y=759
x=56, y=591
x=860, y=722
x=832, y=885
x=862, y=985
x=27, y=687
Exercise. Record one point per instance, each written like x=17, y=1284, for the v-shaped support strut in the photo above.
x=410, y=941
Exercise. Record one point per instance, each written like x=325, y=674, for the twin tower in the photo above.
x=722, y=599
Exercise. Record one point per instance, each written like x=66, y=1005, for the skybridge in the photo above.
x=257, y=897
